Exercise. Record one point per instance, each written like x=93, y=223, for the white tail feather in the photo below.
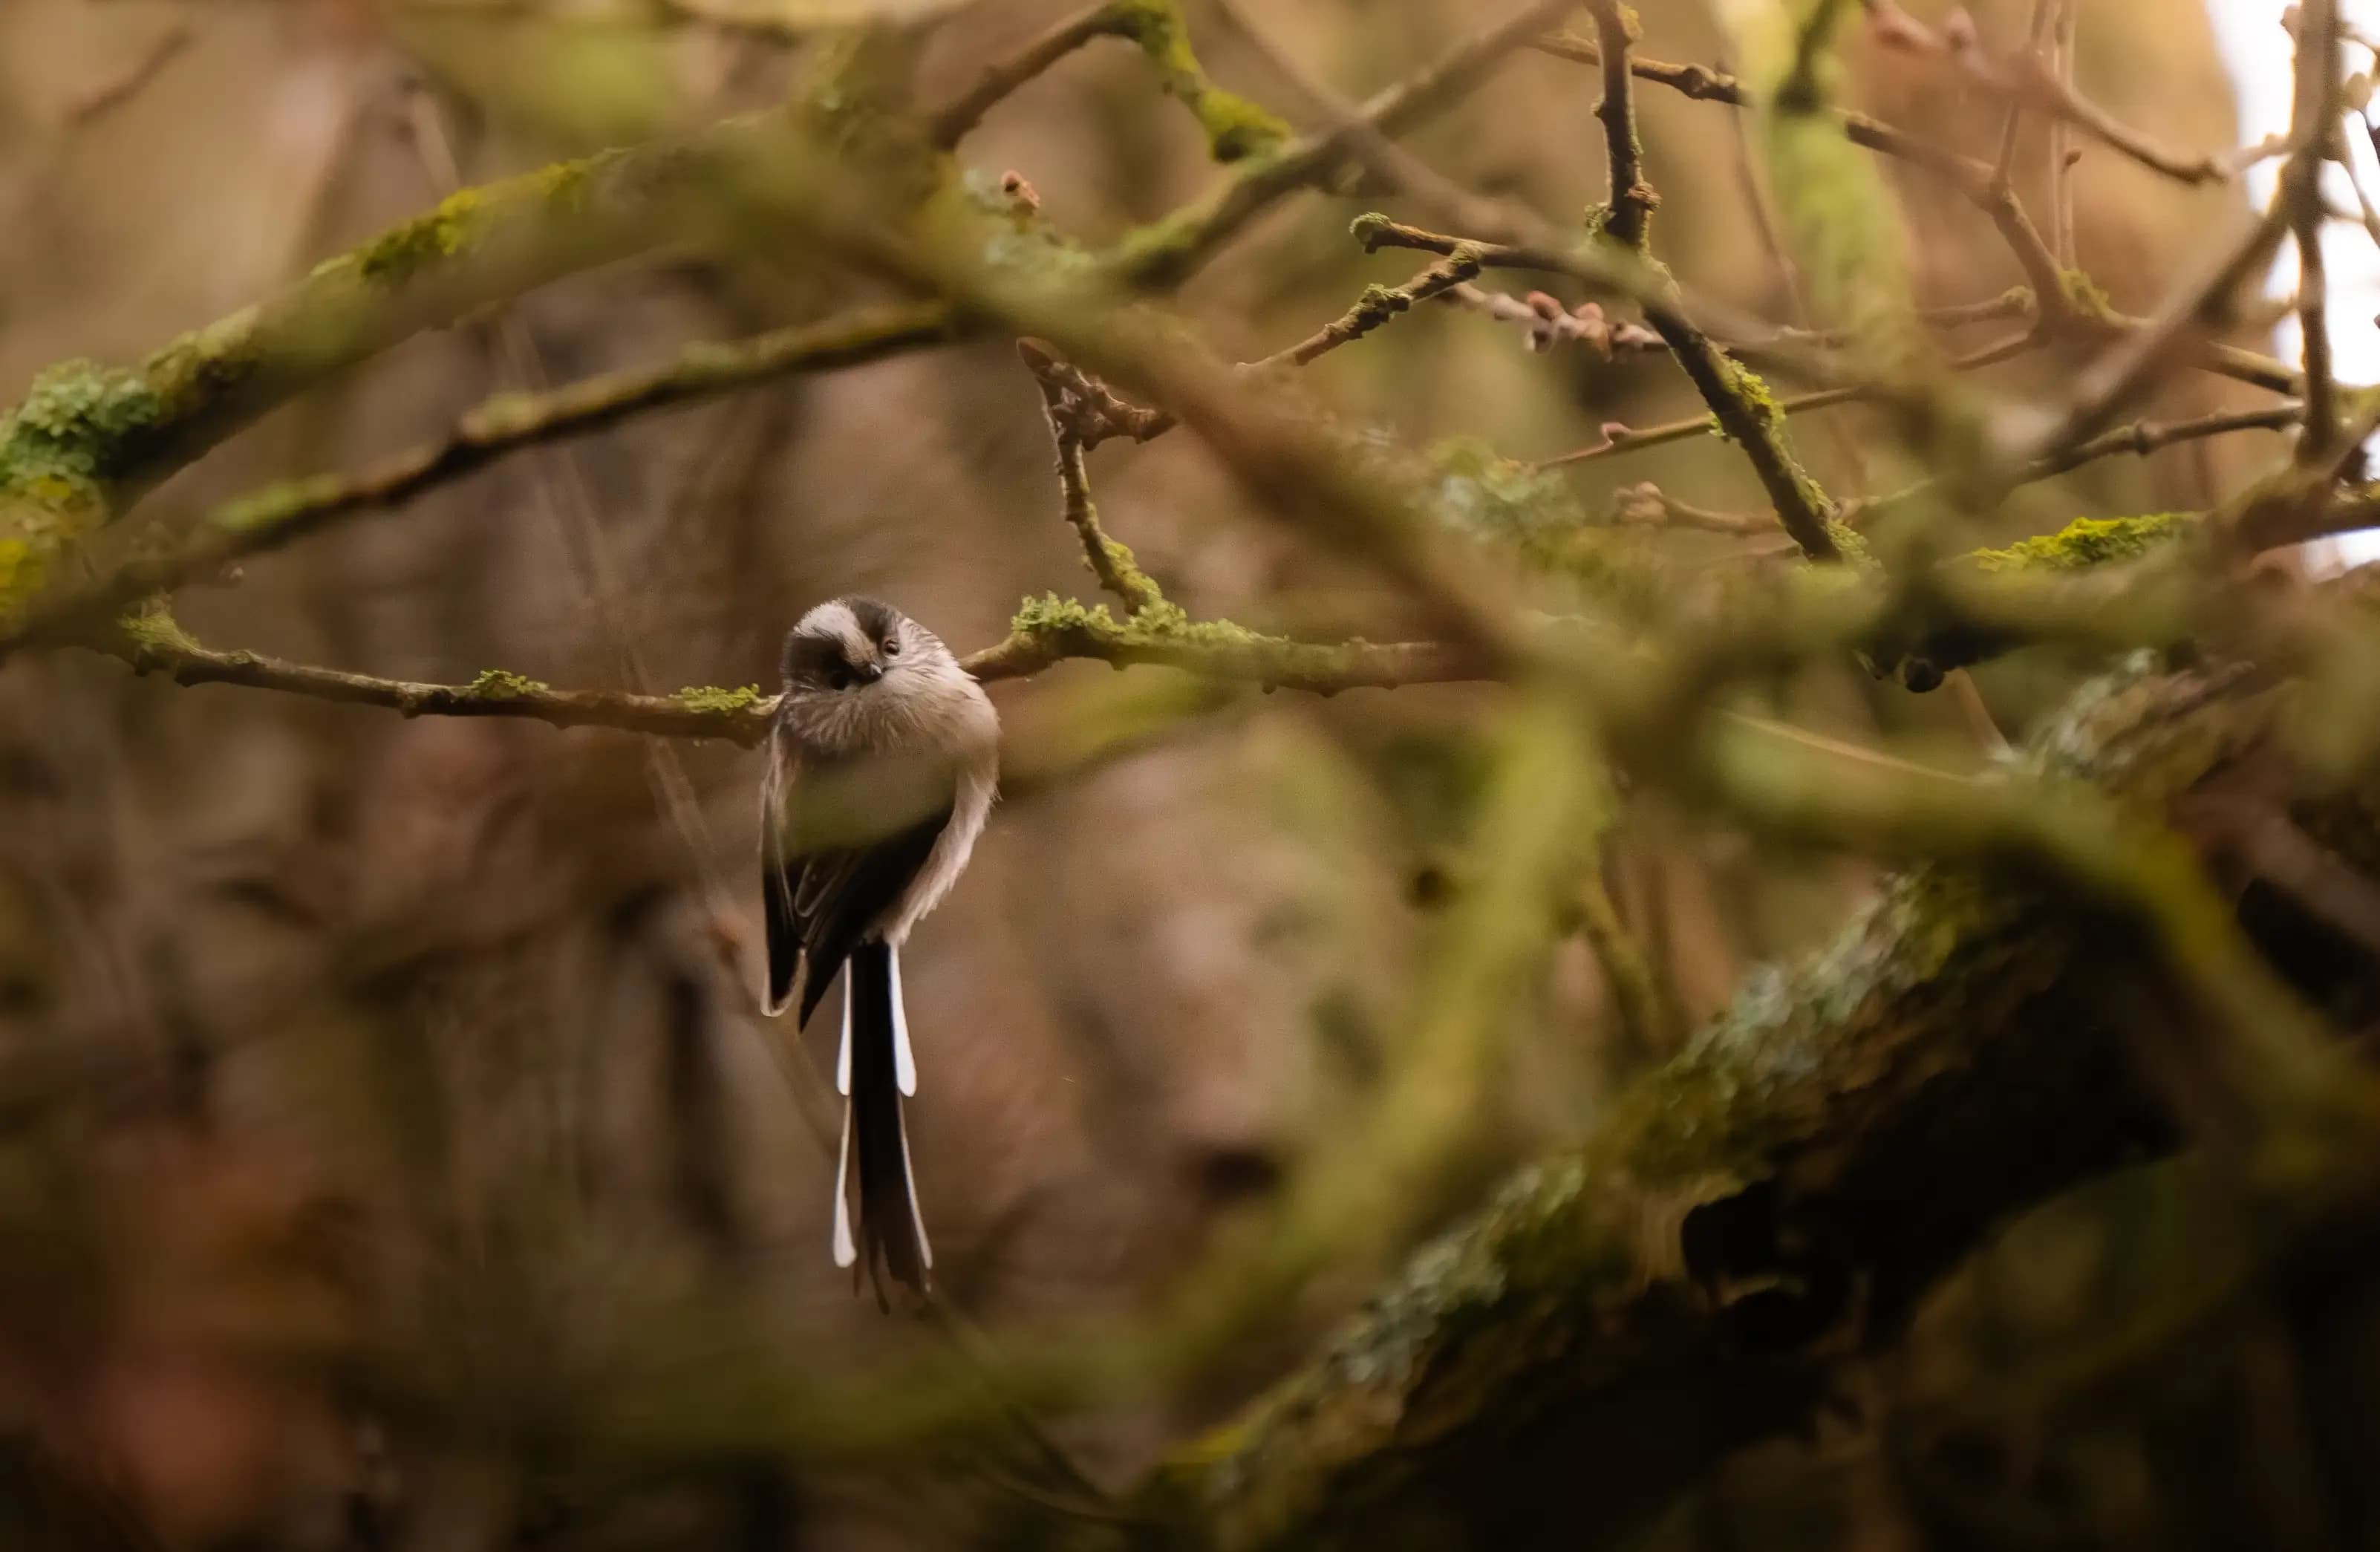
x=909, y=1180
x=845, y=1252
x=842, y=1055
x=904, y=1058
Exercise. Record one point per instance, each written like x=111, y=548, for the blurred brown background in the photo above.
x=408, y=1050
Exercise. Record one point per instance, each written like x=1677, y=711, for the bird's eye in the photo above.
x=892, y=646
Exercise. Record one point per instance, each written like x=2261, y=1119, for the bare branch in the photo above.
x=2314, y=124
x=1104, y=19
x=2028, y=79
x=98, y=101
x=1618, y=439
x=1633, y=199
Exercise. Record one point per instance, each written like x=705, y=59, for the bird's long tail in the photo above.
x=874, y=1069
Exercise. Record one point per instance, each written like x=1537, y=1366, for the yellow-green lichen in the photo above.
x=153, y=628
x=712, y=697
x=78, y=425
x=1235, y=128
x=1052, y=617
x=499, y=684
x=2089, y=542
x=2084, y=296
x=442, y=233
x=463, y=218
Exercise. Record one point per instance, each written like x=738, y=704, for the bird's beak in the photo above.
x=868, y=673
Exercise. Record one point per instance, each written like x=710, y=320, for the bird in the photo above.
x=883, y=763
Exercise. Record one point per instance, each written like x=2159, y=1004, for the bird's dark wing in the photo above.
x=820, y=900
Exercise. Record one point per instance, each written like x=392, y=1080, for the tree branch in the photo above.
x=156, y=646
x=1620, y=438
x=2315, y=126
x=279, y=514
x=1169, y=250
x=1738, y=399
x=1102, y=19
x=1744, y=1222
x=1633, y=199
x=1068, y=412
x=2026, y=80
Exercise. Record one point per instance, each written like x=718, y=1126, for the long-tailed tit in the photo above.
x=880, y=725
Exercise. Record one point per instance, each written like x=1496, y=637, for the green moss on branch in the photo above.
x=1625, y=1313
x=1050, y=629
x=1236, y=129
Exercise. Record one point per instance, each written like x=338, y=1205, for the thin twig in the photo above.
x=2140, y=439
x=1702, y=84
x=1545, y=322
x=2147, y=346
x=2038, y=39
x=1103, y=20
x=1374, y=308
x=1647, y=505
x=2063, y=154
x=1633, y=199
x=1739, y=405
x=493, y=694
x=1111, y=562
x=1620, y=438
x=1169, y=250
x=1387, y=162
x=2025, y=78
x=1754, y=425
x=96, y=101
x=2313, y=123
x=1972, y=178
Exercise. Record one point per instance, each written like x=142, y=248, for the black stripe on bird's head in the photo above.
x=844, y=644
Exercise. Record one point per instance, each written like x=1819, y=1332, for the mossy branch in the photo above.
x=1051, y=630
x=152, y=643
x=91, y=436
x=1236, y=129
x=1747, y=1219
x=1169, y=250
x=89, y=441
x=281, y=513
